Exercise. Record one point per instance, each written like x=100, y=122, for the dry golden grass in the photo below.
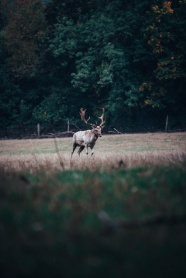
x=128, y=150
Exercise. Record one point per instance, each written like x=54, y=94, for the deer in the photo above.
x=87, y=138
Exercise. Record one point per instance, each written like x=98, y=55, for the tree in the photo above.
x=93, y=52
x=24, y=33
x=58, y=56
x=165, y=35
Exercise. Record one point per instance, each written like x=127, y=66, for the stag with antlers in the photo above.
x=87, y=139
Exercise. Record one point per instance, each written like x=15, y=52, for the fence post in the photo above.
x=166, y=123
x=68, y=126
x=38, y=130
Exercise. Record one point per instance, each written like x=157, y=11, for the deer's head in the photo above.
x=96, y=129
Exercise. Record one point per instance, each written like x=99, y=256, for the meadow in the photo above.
x=130, y=150
x=121, y=213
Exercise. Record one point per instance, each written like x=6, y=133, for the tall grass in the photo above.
x=110, y=152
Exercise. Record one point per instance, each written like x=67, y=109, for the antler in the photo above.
x=82, y=114
x=101, y=118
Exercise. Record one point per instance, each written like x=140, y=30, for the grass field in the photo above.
x=121, y=213
x=131, y=149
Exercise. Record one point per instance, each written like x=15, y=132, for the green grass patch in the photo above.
x=121, y=223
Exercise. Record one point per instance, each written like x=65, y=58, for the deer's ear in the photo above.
x=102, y=126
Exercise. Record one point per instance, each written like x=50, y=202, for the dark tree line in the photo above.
x=127, y=56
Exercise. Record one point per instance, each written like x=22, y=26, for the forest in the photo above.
x=58, y=56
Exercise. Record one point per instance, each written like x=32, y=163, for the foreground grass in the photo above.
x=115, y=222
x=119, y=214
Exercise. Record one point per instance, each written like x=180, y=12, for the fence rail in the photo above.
x=33, y=132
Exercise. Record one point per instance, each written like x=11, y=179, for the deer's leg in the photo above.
x=74, y=147
x=92, y=149
x=86, y=146
x=80, y=149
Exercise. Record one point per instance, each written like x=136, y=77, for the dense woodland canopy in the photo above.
x=60, y=55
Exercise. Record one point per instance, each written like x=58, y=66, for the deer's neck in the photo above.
x=90, y=136
x=93, y=136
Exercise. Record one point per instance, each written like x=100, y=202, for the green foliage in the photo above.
x=9, y=92
x=50, y=111
x=58, y=56
x=165, y=36
x=24, y=34
x=100, y=60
